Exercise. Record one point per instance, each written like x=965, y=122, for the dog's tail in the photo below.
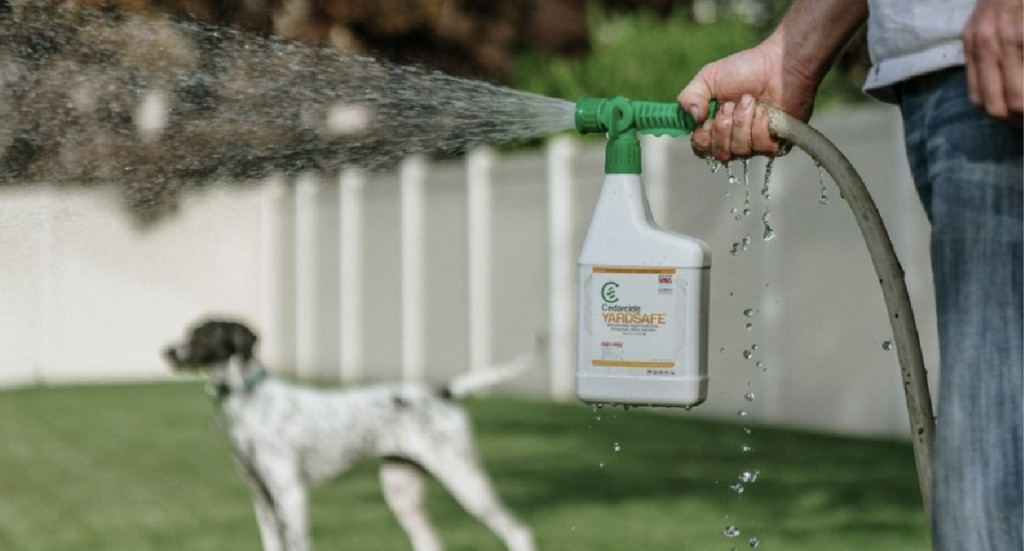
x=495, y=374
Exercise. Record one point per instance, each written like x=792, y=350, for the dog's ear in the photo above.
x=244, y=340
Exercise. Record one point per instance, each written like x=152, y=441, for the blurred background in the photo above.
x=144, y=185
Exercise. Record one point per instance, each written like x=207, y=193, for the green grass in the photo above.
x=143, y=467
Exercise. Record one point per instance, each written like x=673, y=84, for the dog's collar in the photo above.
x=250, y=381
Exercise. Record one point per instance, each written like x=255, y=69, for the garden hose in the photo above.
x=890, y=277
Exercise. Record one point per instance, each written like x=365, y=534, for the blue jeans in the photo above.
x=967, y=168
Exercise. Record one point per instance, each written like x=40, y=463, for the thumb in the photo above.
x=696, y=96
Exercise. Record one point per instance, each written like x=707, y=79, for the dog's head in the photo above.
x=212, y=343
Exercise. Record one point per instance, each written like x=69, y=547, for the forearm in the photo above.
x=813, y=33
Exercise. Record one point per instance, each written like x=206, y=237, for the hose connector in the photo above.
x=621, y=119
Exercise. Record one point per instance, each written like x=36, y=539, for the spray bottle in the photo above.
x=643, y=290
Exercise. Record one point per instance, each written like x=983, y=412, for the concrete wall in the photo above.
x=87, y=296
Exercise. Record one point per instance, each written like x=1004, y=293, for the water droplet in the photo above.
x=738, y=488
x=746, y=449
x=572, y=528
x=754, y=542
x=734, y=210
x=597, y=417
x=733, y=179
x=754, y=347
x=721, y=350
x=746, y=212
x=745, y=241
x=600, y=465
x=766, y=193
x=616, y=447
x=731, y=531
x=747, y=354
x=728, y=171
x=749, y=396
x=749, y=312
x=750, y=326
x=887, y=345
x=746, y=430
x=748, y=476
x=742, y=413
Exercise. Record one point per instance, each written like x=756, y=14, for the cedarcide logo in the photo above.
x=608, y=292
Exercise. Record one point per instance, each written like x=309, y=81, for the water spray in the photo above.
x=643, y=290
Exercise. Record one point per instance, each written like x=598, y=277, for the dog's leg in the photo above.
x=289, y=498
x=404, y=487
x=263, y=503
x=467, y=482
x=266, y=518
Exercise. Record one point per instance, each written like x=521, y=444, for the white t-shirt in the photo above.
x=910, y=38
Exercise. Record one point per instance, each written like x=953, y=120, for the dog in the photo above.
x=287, y=439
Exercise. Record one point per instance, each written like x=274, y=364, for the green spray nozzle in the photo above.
x=622, y=118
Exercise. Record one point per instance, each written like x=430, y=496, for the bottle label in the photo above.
x=634, y=319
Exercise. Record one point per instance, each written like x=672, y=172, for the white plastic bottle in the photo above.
x=643, y=305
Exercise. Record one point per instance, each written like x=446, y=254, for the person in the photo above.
x=955, y=69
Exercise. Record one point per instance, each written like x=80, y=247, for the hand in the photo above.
x=744, y=84
x=994, y=46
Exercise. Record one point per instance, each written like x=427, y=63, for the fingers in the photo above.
x=700, y=140
x=760, y=135
x=1012, y=31
x=697, y=95
x=721, y=132
x=993, y=47
x=989, y=79
x=743, y=117
x=739, y=129
x=971, y=54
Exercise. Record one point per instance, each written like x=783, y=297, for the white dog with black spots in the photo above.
x=288, y=438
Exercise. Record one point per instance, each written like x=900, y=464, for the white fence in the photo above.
x=426, y=271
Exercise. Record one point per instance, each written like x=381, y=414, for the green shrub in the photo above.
x=643, y=56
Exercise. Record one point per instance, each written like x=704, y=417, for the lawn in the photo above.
x=145, y=467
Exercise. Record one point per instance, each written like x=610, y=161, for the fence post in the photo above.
x=46, y=330
x=307, y=272
x=350, y=310
x=478, y=207
x=277, y=311
x=561, y=256
x=412, y=174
